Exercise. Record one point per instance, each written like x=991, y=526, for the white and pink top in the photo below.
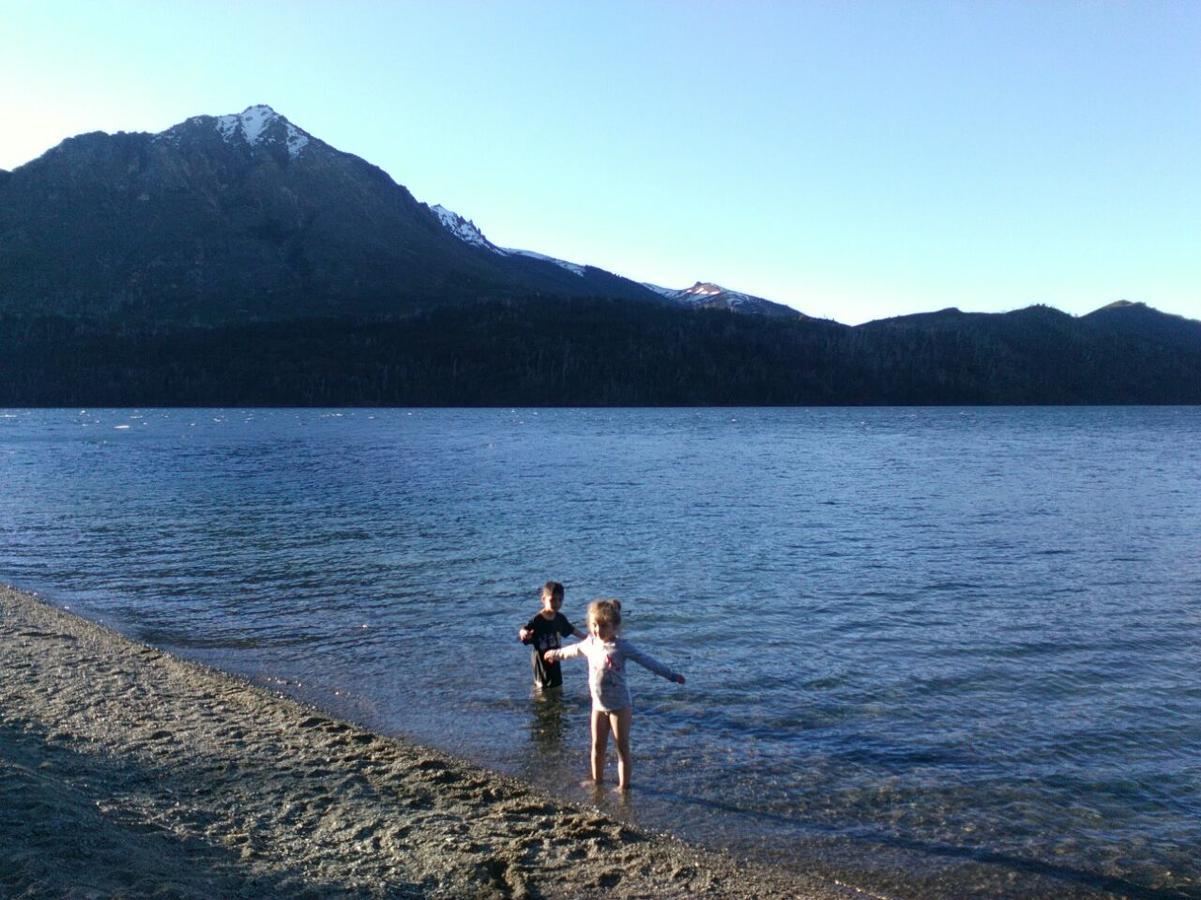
x=607, y=669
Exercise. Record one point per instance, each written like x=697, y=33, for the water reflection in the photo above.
x=547, y=727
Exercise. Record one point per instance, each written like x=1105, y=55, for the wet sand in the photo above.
x=125, y=771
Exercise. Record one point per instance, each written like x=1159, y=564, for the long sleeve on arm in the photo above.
x=570, y=651
x=647, y=661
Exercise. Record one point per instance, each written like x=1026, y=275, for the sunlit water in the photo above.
x=933, y=652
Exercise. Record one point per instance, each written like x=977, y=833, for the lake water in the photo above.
x=932, y=652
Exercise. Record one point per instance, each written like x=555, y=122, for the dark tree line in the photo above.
x=571, y=352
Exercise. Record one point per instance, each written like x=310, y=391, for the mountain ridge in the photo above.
x=296, y=261
x=232, y=218
x=239, y=260
x=283, y=202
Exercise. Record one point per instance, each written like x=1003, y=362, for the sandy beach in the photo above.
x=125, y=771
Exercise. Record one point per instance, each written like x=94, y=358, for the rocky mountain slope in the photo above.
x=242, y=218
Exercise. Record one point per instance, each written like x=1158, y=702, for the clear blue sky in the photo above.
x=854, y=160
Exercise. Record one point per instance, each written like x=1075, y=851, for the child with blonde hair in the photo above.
x=612, y=709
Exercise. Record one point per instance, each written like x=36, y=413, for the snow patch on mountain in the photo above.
x=703, y=292
x=252, y=124
x=574, y=268
x=297, y=140
x=464, y=229
x=669, y=293
x=467, y=231
x=709, y=295
x=707, y=292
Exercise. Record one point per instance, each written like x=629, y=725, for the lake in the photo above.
x=937, y=652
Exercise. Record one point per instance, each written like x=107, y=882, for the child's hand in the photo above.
x=523, y=635
x=677, y=678
x=549, y=656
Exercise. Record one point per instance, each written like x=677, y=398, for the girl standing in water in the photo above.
x=612, y=709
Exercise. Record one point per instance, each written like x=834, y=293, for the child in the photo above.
x=611, y=707
x=542, y=632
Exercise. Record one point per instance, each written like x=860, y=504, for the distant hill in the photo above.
x=239, y=260
x=1122, y=354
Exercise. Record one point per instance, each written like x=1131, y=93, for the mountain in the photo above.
x=702, y=294
x=1126, y=353
x=243, y=218
x=239, y=260
x=579, y=279
x=705, y=295
x=1150, y=325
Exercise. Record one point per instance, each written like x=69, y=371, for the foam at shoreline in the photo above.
x=125, y=770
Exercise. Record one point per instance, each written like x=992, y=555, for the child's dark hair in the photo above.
x=553, y=589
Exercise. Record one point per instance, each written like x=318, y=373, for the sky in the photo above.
x=854, y=160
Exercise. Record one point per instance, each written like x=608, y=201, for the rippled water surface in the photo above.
x=933, y=652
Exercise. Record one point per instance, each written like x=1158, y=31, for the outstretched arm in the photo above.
x=571, y=650
x=649, y=662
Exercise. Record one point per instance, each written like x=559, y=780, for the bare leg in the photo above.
x=621, y=721
x=600, y=743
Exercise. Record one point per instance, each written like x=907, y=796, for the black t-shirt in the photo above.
x=546, y=637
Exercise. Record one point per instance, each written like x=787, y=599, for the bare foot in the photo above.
x=589, y=783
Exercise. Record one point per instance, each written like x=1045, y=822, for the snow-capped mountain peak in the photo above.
x=709, y=295
x=704, y=293
x=252, y=122
x=708, y=289
x=255, y=124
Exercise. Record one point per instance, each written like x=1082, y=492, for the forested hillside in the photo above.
x=579, y=352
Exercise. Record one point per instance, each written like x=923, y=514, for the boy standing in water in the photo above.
x=612, y=709
x=543, y=633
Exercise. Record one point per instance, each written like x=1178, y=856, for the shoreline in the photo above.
x=127, y=771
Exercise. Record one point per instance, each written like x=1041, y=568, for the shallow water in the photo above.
x=933, y=652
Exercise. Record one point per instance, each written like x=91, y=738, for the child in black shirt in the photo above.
x=543, y=632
